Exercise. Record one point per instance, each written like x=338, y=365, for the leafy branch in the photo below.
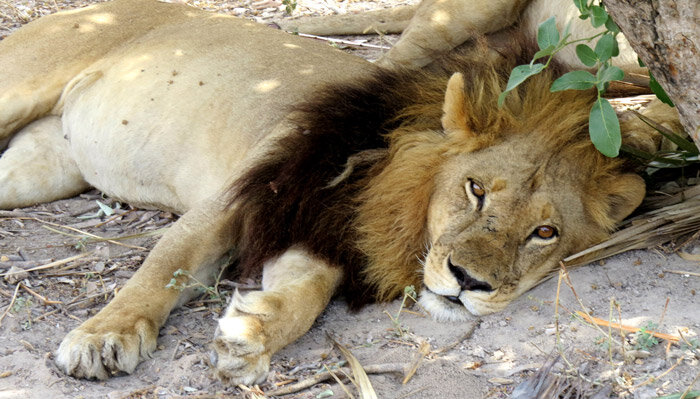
x=604, y=127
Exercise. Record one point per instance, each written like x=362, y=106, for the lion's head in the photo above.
x=482, y=208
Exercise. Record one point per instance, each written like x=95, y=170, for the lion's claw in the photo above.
x=238, y=354
x=83, y=354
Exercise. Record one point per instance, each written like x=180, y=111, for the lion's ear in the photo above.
x=616, y=197
x=454, y=118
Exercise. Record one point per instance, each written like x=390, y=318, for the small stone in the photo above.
x=15, y=275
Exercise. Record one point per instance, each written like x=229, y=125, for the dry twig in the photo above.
x=12, y=302
x=396, y=368
x=52, y=264
x=40, y=297
x=605, y=323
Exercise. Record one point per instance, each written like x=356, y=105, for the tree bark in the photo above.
x=666, y=36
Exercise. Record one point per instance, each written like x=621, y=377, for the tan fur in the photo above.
x=472, y=122
x=438, y=26
x=162, y=106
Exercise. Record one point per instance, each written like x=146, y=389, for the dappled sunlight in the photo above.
x=267, y=86
x=308, y=70
x=440, y=17
x=85, y=24
x=102, y=18
x=134, y=65
x=85, y=27
x=179, y=53
x=290, y=45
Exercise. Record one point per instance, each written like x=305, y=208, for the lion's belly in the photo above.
x=166, y=125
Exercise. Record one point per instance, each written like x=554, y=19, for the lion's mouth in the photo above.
x=444, y=308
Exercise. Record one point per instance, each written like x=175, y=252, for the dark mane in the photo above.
x=286, y=200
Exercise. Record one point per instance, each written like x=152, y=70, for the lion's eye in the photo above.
x=478, y=192
x=545, y=232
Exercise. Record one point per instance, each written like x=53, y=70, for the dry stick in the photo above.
x=464, y=337
x=663, y=313
x=418, y=357
x=22, y=264
x=605, y=323
x=682, y=272
x=622, y=333
x=115, y=217
x=337, y=379
x=12, y=302
x=93, y=236
x=40, y=297
x=690, y=345
x=562, y=273
x=568, y=282
x=52, y=264
x=687, y=390
x=348, y=42
x=610, y=328
x=652, y=379
x=361, y=380
x=311, y=381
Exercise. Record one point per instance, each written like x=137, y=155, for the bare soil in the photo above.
x=486, y=358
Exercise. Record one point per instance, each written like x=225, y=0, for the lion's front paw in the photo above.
x=239, y=355
x=88, y=352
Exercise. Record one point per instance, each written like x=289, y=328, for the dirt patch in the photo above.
x=487, y=357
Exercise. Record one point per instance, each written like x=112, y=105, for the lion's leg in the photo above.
x=125, y=331
x=390, y=20
x=296, y=288
x=440, y=25
x=640, y=135
x=37, y=166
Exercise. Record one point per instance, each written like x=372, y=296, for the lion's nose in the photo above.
x=467, y=282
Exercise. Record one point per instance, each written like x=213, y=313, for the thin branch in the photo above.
x=347, y=42
x=12, y=302
x=52, y=264
x=311, y=381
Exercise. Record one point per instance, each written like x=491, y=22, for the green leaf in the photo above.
x=688, y=395
x=586, y=54
x=605, y=47
x=604, y=128
x=547, y=34
x=543, y=53
x=517, y=76
x=574, y=80
x=598, y=16
x=609, y=73
x=616, y=47
x=582, y=5
x=659, y=91
x=612, y=26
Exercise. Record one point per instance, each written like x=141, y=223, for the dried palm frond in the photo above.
x=668, y=217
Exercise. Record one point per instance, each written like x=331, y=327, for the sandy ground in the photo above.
x=485, y=358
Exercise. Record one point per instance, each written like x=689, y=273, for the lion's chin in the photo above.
x=441, y=309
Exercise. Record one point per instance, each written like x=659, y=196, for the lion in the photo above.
x=432, y=28
x=289, y=159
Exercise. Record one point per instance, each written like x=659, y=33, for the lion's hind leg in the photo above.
x=296, y=288
x=37, y=166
